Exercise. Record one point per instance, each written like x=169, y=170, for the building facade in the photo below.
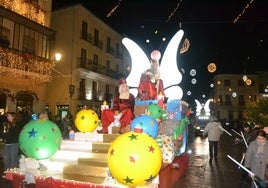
x=231, y=94
x=93, y=59
x=26, y=54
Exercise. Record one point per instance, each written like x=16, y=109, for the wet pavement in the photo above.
x=204, y=174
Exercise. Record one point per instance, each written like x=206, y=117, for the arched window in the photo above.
x=3, y=102
x=24, y=103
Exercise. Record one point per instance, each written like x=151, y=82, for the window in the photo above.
x=84, y=30
x=227, y=100
x=94, y=90
x=227, y=82
x=108, y=43
x=4, y=37
x=62, y=110
x=96, y=37
x=83, y=58
x=28, y=44
x=108, y=66
x=241, y=100
x=252, y=83
x=240, y=83
x=3, y=102
x=220, y=100
x=107, y=90
x=95, y=60
x=24, y=103
x=82, y=89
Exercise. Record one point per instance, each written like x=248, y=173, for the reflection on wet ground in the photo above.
x=204, y=174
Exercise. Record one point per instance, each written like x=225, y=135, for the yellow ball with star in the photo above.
x=134, y=159
x=86, y=120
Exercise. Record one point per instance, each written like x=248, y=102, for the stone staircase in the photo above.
x=84, y=161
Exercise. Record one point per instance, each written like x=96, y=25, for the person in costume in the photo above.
x=123, y=103
x=151, y=84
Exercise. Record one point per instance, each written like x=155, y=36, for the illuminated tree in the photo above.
x=257, y=112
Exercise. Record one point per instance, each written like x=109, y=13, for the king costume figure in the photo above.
x=151, y=84
x=123, y=103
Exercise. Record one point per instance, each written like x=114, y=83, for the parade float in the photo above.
x=152, y=154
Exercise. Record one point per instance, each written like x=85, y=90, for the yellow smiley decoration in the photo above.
x=86, y=120
x=134, y=159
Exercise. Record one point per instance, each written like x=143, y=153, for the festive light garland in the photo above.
x=114, y=9
x=185, y=46
x=174, y=11
x=25, y=65
x=243, y=11
x=27, y=8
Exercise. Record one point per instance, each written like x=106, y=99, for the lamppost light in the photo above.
x=58, y=56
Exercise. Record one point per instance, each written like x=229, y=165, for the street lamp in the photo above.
x=58, y=56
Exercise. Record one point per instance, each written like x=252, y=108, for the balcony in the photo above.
x=110, y=50
x=23, y=65
x=87, y=37
x=98, y=43
x=27, y=8
x=89, y=65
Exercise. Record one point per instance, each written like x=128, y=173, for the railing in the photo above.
x=24, y=65
x=88, y=64
x=98, y=43
x=87, y=37
x=110, y=50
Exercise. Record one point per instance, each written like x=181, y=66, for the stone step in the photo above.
x=79, y=146
x=85, y=173
x=101, y=162
x=100, y=147
x=110, y=137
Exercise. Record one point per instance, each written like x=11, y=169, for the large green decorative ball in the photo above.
x=40, y=139
x=154, y=110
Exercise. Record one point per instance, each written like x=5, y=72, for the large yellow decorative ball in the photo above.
x=86, y=120
x=134, y=159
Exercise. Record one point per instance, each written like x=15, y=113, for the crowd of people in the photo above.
x=11, y=124
x=253, y=140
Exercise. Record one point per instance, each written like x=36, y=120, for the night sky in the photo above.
x=239, y=47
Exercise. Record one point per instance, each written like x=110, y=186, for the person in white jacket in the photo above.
x=213, y=130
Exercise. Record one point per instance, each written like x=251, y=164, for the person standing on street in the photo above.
x=257, y=156
x=213, y=130
x=14, y=125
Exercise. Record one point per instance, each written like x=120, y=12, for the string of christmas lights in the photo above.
x=26, y=8
x=243, y=11
x=114, y=9
x=174, y=11
x=25, y=66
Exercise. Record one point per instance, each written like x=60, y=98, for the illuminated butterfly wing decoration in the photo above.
x=169, y=71
x=140, y=63
x=206, y=107
x=168, y=67
x=198, y=107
